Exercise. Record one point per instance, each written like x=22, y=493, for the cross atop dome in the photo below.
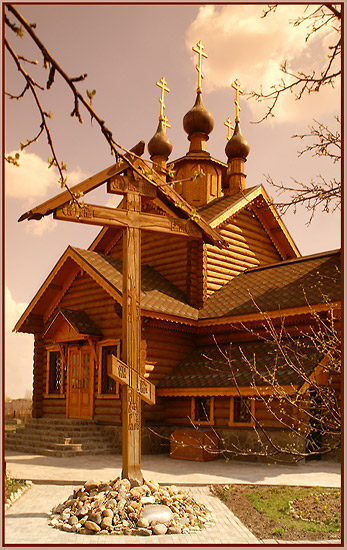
x=199, y=50
x=237, y=87
x=162, y=84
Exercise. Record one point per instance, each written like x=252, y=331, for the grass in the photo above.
x=12, y=485
x=274, y=503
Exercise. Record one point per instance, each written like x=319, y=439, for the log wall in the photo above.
x=85, y=294
x=249, y=246
x=39, y=380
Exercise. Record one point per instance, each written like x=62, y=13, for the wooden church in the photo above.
x=204, y=268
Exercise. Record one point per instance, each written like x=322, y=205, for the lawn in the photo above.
x=284, y=512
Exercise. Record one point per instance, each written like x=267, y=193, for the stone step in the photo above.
x=58, y=453
x=68, y=438
x=60, y=437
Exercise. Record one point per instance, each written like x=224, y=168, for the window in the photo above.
x=55, y=373
x=241, y=410
x=107, y=386
x=202, y=410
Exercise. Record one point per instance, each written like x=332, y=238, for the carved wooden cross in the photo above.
x=199, y=50
x=128, y=370
x=132, y=221
x=237, y=87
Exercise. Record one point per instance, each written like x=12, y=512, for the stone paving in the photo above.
x=26, y=521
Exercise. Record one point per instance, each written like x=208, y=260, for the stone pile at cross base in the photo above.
x=117, y=507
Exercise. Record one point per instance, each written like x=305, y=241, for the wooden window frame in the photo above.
x=209, y=422
x=61, y=394
x=102, y=344
x=232, y=411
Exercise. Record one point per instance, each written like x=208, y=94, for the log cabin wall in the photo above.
x=165, y=350
x=165, y=253
x=38, y=376
x=85, y=294
x=249, y=246
x=178, y=412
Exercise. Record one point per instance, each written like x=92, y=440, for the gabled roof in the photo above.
x=296, y=283
x=78, y=321
x=223, y=209
x=279, y=288
x=158, y=295
x=217, y=367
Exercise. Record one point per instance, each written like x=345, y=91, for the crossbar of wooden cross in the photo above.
x=127, y=376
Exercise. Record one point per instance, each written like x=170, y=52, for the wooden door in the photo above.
x=81, y=378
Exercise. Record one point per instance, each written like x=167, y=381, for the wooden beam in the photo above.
x=120, y=372
x=119, y=185
x=226, y=391
x=114, y=217
x=85, y=186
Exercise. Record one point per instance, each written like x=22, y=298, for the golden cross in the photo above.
x=198, y=49
x=165, y=121
x=237, y=87
x=164, y=89
x=229, y=126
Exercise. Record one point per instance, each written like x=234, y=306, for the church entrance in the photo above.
x=80, y=383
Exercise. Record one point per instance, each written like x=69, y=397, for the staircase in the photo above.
x=61, y=437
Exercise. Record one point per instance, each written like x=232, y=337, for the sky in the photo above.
x=125, y=50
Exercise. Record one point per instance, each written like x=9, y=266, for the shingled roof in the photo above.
x=157, y=293
x=79, y=321
x=226, y=366
x=291, y=284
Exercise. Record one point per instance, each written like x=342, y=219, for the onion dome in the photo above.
x=160, y=145
x=198, y=119
x=237, y=146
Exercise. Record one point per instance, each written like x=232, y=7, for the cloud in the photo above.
x=41, y=227
x=240, y=44
x=33, y=179
x=18, y=351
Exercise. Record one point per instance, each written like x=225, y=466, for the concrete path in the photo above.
x=165, y=470
x=54, y=479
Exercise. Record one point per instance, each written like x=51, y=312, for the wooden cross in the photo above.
x=128, y=370
x=199, y=50
x=230, y=127
x=132, y=221
x=237, y=87
x=162, y=85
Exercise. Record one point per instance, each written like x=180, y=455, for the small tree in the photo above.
x=320, y=192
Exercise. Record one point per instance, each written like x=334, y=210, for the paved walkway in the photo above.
x=54, y=479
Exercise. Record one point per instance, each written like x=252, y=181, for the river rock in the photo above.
x=158, y=513
x=73, y=520
x=91, y=484
x=95, y=517
x=107, y=513
x=159, y=529
x=92, y=526
x=143, y=532
x=142, y=522
x=147, y=500
x=106, y=523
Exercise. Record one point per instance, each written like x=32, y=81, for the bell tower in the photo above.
x=199, y=175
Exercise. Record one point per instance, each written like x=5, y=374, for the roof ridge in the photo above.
x=294, y=260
